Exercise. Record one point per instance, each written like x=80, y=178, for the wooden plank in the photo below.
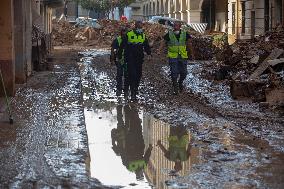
x=264, y=65
x=275, y=96
x=275, y=61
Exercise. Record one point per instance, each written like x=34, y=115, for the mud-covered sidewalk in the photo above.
x=47, y=144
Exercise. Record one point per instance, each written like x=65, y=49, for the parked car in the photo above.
x=87, y=22
x=166, y=21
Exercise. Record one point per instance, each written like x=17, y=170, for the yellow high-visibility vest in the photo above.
x=177, y=47
x=135, y=39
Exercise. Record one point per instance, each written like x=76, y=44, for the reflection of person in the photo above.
x=118, y=134
x=128, y=142
x=179, y=146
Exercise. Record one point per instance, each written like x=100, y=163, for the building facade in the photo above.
x=250, y=18
x=213, y=12
x=17, y=19
x=241, y=19
x=72, y=10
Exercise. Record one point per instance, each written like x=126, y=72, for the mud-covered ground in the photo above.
x=242, y=145
x=46, y=147
x=71, y=131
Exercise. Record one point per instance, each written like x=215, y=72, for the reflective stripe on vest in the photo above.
x=177, y=47
x=135, y=39
x=119, y=41
x=137, y=164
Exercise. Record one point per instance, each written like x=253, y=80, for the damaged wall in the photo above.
x=6, y=46
x=23, y=38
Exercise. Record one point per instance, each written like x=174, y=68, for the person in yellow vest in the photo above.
x=120, y=63
x=179, y=51
x=134, y=43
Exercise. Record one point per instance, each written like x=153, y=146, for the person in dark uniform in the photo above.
x=179, y=51
x=128, y=142
x=120, y=63
x=134, y=43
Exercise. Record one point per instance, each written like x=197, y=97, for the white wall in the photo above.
x=127, y=12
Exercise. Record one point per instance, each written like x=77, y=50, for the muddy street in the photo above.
x=71, y=131
x=220, y=145
x=141, y=94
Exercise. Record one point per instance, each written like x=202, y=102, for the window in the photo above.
x=243, y=4
x=266, y=15
x=252, y=23
x=233, y=18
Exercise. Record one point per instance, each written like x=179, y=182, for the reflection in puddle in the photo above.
x=128, y=147
x=132, y=149
x=172, y=156
x=113, y=159
x=128, y=142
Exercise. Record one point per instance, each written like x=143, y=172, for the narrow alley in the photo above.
x=64, y=126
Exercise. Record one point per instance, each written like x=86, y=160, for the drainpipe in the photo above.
x=237, y=28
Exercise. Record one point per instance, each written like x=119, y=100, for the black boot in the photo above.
x=175, y=88
x=181, y=87
x=126, y=94
x=180, y=82
x=133, y=96
x=118, y=92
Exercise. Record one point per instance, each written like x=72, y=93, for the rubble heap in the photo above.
x=66, y=34
x=63, y=33
x=254, y=67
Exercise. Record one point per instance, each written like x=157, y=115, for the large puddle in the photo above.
x=128, y=147
x=132, y=149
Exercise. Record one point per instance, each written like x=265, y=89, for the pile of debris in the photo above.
x=255, y=68
x=202, y=47
x=66, y=34
x=63, y=33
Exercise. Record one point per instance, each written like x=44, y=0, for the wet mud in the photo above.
x=46, y=147
x=220, y=150
x=71, y=131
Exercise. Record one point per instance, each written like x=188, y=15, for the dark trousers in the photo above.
x=134, y=75
x=178, y=68
x=120, y=73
